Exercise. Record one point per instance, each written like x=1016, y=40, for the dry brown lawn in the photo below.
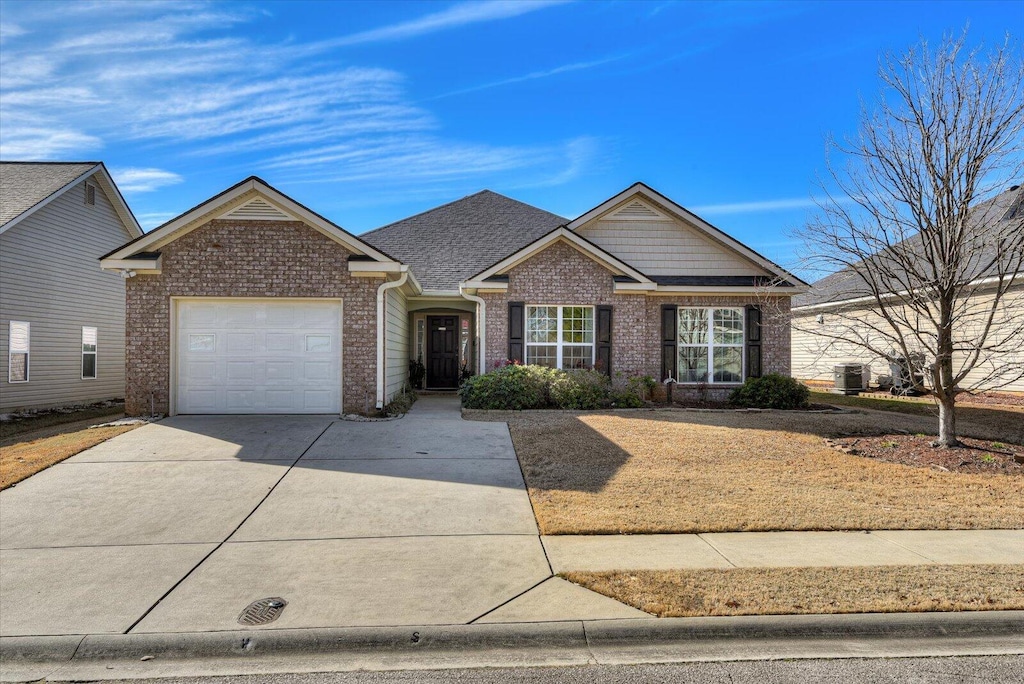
x=781, y=591
x=678, y=471
x=23, y=459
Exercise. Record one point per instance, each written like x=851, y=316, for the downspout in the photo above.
x=382, y=293
x=481, y=328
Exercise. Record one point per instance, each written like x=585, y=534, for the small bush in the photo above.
x=771, y=391
x=581, y=390
x=512, y=387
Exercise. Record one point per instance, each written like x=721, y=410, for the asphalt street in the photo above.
x=968, y=670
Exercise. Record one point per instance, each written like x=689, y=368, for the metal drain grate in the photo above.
x=262, y=612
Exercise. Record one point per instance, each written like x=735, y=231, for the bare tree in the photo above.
x=928, y=256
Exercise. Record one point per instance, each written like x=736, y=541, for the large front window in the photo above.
x=560, y=336
x=710, y=345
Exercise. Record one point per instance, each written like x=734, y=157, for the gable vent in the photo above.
x=638, y=211
x=258, y=209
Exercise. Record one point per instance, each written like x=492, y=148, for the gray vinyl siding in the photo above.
x=396, y=348
x=50, y=276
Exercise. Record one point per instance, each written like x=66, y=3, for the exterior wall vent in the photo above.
x=638, y=211
x=90, y=194
x=258, y=209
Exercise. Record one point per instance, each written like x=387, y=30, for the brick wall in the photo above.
x=562, y=275
x=246, y=259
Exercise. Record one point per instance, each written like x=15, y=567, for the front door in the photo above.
x=443, y=352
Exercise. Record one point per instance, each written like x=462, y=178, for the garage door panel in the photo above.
x=259, y=357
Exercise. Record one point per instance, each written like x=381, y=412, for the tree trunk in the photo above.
x=947, y=423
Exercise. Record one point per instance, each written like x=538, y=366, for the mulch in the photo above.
x=975, y=456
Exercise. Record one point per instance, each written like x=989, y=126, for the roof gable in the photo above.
x=251, y=199
x=560, y=235
x=26, y=187
x=448, y=244
x=643, y=227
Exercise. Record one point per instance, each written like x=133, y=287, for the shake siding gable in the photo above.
x=240, y=258
x=50, y=277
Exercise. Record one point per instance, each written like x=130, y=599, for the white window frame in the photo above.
x=94, y=353
x=11, y=351
x=710, y=345
x=560, y=345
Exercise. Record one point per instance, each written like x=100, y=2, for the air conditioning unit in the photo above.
x=848, y=378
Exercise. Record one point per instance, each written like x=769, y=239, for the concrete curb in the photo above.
x=549, y=644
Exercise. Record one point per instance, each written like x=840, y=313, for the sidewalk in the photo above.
x=597, y=553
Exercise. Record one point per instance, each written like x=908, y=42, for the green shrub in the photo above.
x=581, y=390
x=512, y=388
x=771, y=391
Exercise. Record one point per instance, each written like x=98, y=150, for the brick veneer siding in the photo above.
x=247, y=259
x=562, y=275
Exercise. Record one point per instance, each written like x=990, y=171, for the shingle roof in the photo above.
x=986, y=218
x=450, y=243
x=25, y=184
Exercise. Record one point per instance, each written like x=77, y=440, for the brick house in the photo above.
x=252, y=303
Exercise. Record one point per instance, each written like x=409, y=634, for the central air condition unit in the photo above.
x=848, y=378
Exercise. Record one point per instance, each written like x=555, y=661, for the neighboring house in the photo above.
x=252, y=303
x=61, y=318
x=814, y=312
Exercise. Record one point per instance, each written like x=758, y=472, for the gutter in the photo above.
x=381, y=327
x=481, y=328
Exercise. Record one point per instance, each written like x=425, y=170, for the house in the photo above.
x=253, y=303
x=843, y=304
x=61, y=318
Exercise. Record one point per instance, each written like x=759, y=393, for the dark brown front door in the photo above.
x=443, y=352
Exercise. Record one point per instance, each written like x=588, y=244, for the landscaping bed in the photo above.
x=787, y=591
x=975, y=456
x=643, y=471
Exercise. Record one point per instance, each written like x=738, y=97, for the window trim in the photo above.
x=94, y=353
x=559, y=344
x=710, y=345
x=27, y=352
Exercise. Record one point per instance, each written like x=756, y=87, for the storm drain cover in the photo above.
x=263, y=611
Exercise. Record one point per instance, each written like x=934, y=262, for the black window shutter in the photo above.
x=604, y=339
x=516, y=326
x=753, y=341
x=669, y=342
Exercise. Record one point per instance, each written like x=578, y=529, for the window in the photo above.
x=89, y=336
x=710, y=345
x=560, y=336
x=17, y=355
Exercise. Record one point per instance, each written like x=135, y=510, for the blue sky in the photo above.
x=370, y=112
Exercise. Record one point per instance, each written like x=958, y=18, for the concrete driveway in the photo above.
x=179, y=525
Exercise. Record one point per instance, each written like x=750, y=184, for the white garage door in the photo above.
x=258, y=356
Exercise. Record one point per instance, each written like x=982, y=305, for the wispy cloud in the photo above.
x=144, y=180
x=759, y=206
x=175, y=80
x=456, y=16
x=546, y=73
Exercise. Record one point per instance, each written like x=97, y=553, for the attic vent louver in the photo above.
x=258, y=209
x=638, y=211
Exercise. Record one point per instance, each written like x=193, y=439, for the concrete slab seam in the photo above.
x=231, y=534
x=508, y=601
x=716, y=550
x=905, y=548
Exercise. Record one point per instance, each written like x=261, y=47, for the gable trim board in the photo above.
x=229, y=201
x=102, y=177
